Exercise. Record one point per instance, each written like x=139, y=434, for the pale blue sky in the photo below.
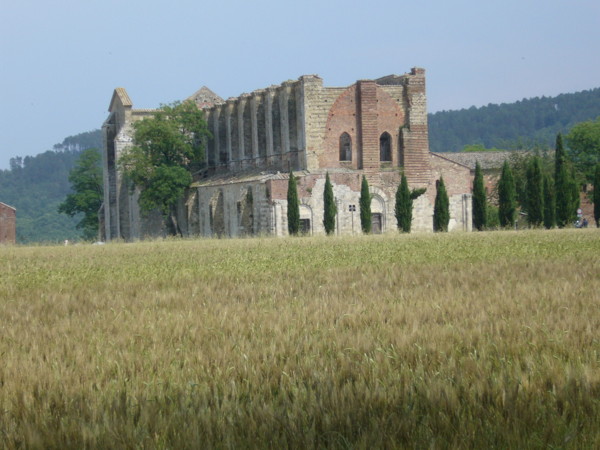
x=61, y=60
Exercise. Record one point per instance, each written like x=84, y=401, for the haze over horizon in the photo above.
x=60, y=62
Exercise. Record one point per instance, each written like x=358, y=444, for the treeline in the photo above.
x=528, y=123
x=36, y=185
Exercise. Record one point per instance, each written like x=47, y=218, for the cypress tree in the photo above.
x=535, y=192
x=403, y=206
x=479, y=200
x=365, y=206
x=549, y=203
x=561, y=185
x=506, y=197
x=441, y=208
x=574, y=195
x=597, y=195
x=293, y=207
x=329, y=207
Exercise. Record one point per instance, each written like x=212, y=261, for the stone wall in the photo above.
x=258, y=130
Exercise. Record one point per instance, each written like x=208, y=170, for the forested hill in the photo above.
x=526, y=123
x=36, y=185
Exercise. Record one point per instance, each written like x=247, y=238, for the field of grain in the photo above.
x=487, y=340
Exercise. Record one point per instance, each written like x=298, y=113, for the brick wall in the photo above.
x=8, y=223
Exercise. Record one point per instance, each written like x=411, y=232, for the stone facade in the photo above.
x=375, y=128
x=8, y=224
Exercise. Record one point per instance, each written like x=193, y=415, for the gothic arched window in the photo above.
x=345, y=147
x=385, y=147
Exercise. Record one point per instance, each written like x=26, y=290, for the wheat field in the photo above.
x=480, y=340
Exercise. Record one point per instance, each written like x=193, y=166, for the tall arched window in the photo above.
x=385, y=147
x=345, y=147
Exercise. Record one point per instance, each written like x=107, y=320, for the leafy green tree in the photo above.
x=86, y=183
x=329, y=207
x=584, y=146
x=168, y=148
x=293, y=206
x=365, y=206
x=596, y=197
x=506, y=197
x=549, y=203
x=562, y=185
x=404, y=205
x=535, y=193
x=479, y=200
x=441, y=208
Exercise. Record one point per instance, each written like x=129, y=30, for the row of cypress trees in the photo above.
x=403, y=210
x=549, y=202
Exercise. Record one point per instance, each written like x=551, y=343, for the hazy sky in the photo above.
x=60, y=60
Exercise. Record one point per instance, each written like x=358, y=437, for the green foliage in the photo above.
x=596, y=197
x=35, y=186
x=293, y=206
x=329, y=207
x=524, y=124
x=535, y=193
x=365, y=206
x=562, y=185
x=584, y=146
x=441, y=208
x=404, y=205
x=168, y=147
x=417, y=192
x=479, y=200
x=81, y=141
x=86, y=182
x=519, y=164
x=506, y=197
x=493, y=221
x=549, y=203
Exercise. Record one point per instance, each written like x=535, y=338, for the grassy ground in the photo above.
x=487, y=340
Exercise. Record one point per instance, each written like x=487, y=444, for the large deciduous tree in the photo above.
x=441, y=208
x=168, y=148
x=584, y=146
x=293, y=206
x=535, y=192
x=329, y=207
x=365, y=206
x=506, y=197
x=479, y=200
x=86, y=183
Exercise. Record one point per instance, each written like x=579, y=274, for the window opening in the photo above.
x=345, y=147
x=385, y=147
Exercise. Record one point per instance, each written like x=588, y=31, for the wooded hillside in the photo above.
x=36, y=185
x=524, y=124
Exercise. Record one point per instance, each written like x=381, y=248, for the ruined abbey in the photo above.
x=373, y=127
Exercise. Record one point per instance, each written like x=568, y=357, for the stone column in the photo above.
x=300, y=131
x=228, y=110
x=240, y=126
x=254, y=113
x=285, y=123
x=216, y=154
x=269, y=123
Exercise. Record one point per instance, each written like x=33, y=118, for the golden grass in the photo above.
x=468, y=340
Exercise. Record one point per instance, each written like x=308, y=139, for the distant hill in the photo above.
x=36, y=185
x=523, y=124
